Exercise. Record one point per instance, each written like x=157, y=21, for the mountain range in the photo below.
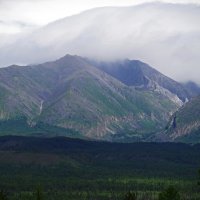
x=73, y=96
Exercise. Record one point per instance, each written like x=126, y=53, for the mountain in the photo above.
x=185, y=123
x=192, y=88
x=70, y=96
x=109, y=33
x=142, y=76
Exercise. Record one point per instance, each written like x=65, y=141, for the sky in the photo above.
x=22, y=15
x=165, y=35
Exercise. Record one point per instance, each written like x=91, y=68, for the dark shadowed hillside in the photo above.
x=192, y=88
x=142, y=157
x=185, y=123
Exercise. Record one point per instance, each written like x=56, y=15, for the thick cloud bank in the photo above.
x=166, y=36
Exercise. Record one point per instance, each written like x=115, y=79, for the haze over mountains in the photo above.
x=163, y=35
x=74, y=96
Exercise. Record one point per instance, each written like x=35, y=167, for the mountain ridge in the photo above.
x=142, y=76
x=70, y=93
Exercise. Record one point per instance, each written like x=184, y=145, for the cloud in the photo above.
x=41, y=12
x=11, y=27
x=167, y=36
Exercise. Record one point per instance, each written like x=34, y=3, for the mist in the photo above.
x=166, y=36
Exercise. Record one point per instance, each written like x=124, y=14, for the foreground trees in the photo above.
x=39, y=193
x=3, y=195
x=130, y=196
x=169, y=194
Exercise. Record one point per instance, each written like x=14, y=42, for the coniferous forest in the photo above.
x=62, y=168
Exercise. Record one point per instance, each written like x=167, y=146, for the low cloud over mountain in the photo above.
x=163, y=35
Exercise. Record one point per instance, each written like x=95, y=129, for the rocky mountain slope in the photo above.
x=142, y=76
x=71, y=96
x=185, y=123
